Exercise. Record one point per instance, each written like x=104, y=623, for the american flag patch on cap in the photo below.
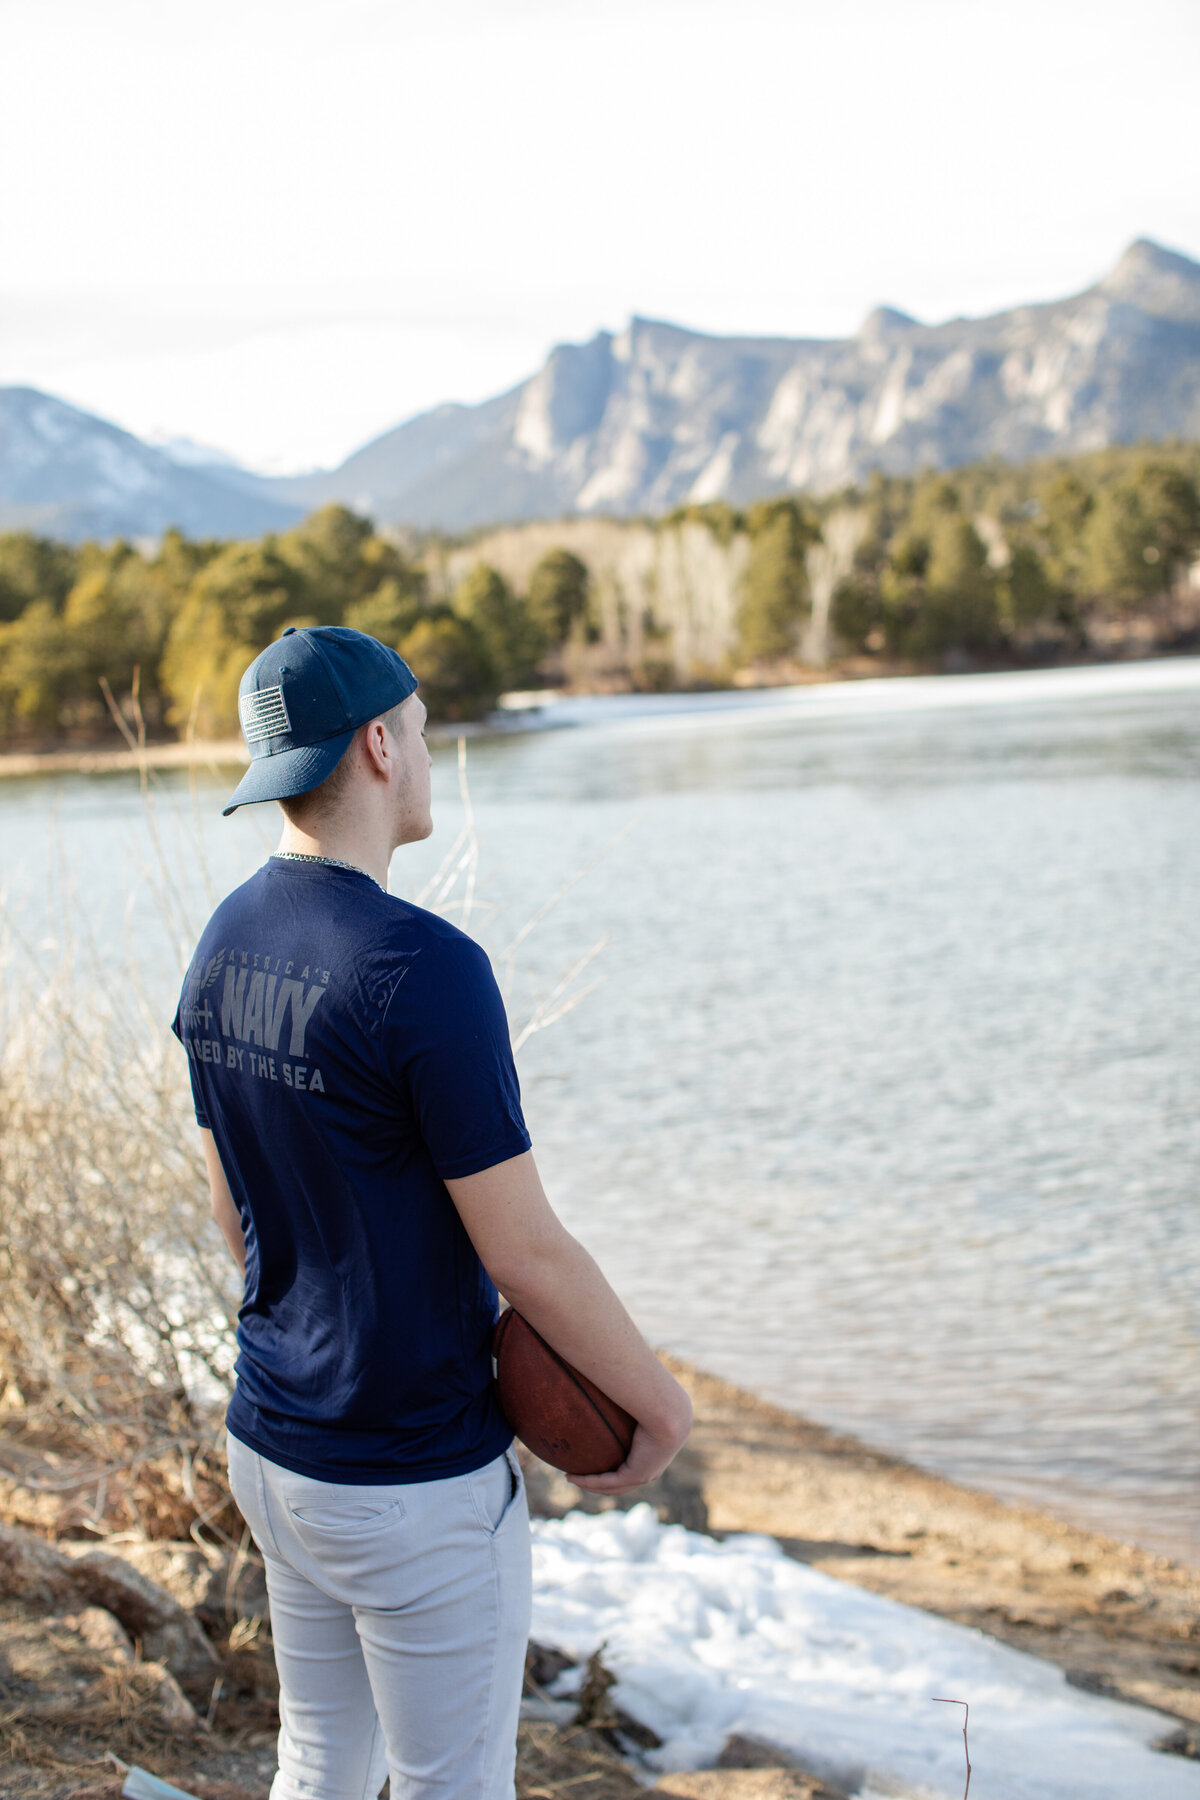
x=263, y=715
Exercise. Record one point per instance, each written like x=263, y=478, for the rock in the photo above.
x=168, y=1634
x=101, y=1632
x=63, y=1667
x=755, y=1761
x=174, y=1707
x=745, y=1784
x=544, y=1664
x=1093, y=1681
x=188, y=1573
x=38, y=1574
x=1184, y=1741
x=217, y=1587
x=752, y=1753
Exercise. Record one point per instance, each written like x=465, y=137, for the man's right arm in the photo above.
x=224, y=1206
x=554, y=1283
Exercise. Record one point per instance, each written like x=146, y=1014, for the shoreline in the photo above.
x=19, y=763
x=1120, y=1620
x=535, y=710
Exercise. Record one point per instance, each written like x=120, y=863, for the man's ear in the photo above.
x=378, y=749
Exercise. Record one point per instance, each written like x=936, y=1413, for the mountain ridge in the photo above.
x=658, y=415
x=67, y=473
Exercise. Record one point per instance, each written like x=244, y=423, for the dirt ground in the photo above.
x=83, y=1694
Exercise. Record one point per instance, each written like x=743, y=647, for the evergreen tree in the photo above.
x=388, y=614
x=485, y=600
x=1026, y=595
x=36, y=669
x=902, y=593
x=326, y=553
x=775, y=598
x=960, y=608
x=450, y=659
x=117, y=617
x=1138, y=534
x=1064, y=507
x=33, y=568
x=237, y=604
x=856, y=611
x=559, y=593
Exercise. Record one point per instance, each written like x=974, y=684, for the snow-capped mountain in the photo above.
x=656, y=415
x=66, y=473
x=190, y=455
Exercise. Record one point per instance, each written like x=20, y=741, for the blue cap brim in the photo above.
x=289, y=773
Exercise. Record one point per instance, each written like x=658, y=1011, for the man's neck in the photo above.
x=349, y=843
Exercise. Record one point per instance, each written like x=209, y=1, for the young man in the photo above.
x=372, y=1174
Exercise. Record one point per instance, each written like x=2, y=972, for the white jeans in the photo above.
x=400, y=1617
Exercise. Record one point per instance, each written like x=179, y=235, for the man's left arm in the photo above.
x=224, y=1206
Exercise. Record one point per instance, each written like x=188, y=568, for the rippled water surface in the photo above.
x=886, y=1104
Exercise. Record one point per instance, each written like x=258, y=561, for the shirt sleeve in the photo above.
x=197, y=1098
x=198, y=1105
x=447, y=1048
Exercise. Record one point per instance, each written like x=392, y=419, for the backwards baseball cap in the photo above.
x=301, y=701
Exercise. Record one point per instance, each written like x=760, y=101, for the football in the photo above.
x=555, y=1411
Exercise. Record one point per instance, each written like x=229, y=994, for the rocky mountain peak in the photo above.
x=658, y=416
x=883, y=322
x=1158, y=280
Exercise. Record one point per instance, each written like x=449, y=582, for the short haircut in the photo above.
x=309, y=809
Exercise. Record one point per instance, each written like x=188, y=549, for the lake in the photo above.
x=884, y=1105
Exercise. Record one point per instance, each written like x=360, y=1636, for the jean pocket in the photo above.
x=496, y=1490
x=345, y=1518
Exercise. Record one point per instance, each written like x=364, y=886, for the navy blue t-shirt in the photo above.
x=349, y=1052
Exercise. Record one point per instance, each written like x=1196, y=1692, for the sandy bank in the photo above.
x=1121, y=1620
x=193, y=755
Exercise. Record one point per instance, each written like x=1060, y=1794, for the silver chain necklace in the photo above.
x=333, y=862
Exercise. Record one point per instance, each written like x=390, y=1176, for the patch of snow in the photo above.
x=124, y=473
x=190, y=455
x=53, y=422
x=710, y=1638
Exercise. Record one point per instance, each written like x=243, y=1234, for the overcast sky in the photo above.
x=281, y=226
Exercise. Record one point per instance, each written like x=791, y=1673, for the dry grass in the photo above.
x=118, y=1303
x=554, y=1762
x=73, y=1711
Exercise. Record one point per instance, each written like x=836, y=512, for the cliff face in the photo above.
x=656, y=416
